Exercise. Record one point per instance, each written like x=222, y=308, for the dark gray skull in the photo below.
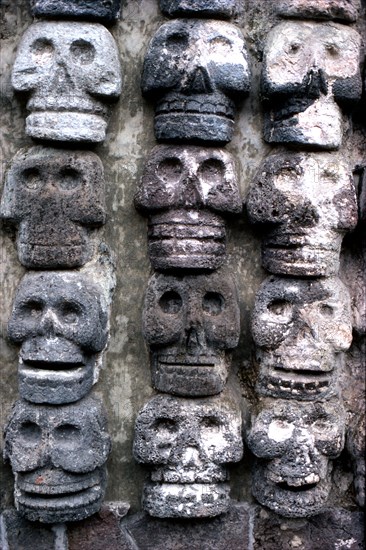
x=55, y=197
x=60, y=320
x=346, y=10
x=58, y=456
x=188, y=443
x=99, y=10
x=199, y=8
x=294, y=442
x=190, y=322
x=186, y=191
x=300, y=329
x=195, y=69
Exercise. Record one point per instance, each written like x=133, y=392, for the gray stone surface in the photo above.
x=95, y=10
x=70, y=73
x=343, y=10
x=190, y=323
x=187, y=191
x=187, y=72
x=216, y=9
x=18, y=533
x=55, y=197
x=308, y=203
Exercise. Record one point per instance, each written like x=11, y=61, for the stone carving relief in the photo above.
x=308, y=202
x=216, y=9
x=190, y=324
x=301, y=329
x=356, y=447
x=98, y=10
x=310, y=73
x=60, y=319
x=55, y=197
x=188, y=443
x=343, y=10
x=194, y=70
x=70, y=73
x=186, y=191
x=295, y=444
x=58, y=456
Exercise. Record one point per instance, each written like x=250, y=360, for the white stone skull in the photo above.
x=188, y=443
x=310, y=72
x=71, y=73
x=186, y=191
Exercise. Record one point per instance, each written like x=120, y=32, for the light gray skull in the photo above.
x=71, y=73
x=196, y=69
x=310, y=71
x=58, y=456
x=60, y=320
x=308, y=202
x=190, y=323
x=55, y=197
x=300, y=329
x=345, y=10
x=294, y=442
x=186, y=191
x=188, y=443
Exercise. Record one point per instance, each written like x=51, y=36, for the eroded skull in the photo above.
x=190, y=323
x=310, y=72
x=308, y=202
x=199, y=8
x=186, y=191
x=343, y=10
x=195, y=69
x=188, y=442
x=60, y=320
x=99, y=10
x=300, y=328
x=58, y=457
x=294, y=443
x=71, y=72
x=55, y=197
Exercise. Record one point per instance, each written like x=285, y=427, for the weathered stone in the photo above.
x=17, y=533
x=310, y=72
x=58, y=456
x=308, y=202
x=94, y=10
x=356, y=448
x=195, y=69
x=60, y=320
x=294, y=443
x=188, y=442
x=343, y=10
x=190, y=322
x=186, y=191
x=55, y=197
x=70, y=72
x=300, y=328
x=199, y=8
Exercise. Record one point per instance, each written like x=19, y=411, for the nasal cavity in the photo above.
x=199, y=81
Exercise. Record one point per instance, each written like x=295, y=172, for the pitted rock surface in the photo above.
x=342, y=10
x=94, y=10
x=216, y=9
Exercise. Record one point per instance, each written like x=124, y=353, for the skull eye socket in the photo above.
x=70, y=312
x=30, y=432
x=32, y=307
x=177, y=41
x=213, y=303
x=70, y=179
x=211, y=422
x=42, y=51
x=281, y=309
x=326, y=310
x=32, y=178
x=294, y=48
x=67, y=433
x=166, y=425
x=82, y=52
x=211, y=171
x=332, y=50
x=221, y=43
x=169, y=170
x=170, y=302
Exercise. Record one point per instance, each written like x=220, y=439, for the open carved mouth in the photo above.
x=298, y=380
x=296, y=488
x=51, y=365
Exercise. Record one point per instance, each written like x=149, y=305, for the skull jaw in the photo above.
x=216, y=9
x=196, y=500
x=66, y=126
x=36, y=256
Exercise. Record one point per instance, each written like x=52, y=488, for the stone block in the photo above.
x=87, y=10
x=17, y=533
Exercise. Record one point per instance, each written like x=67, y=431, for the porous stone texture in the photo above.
x=58, y=456
x=216, y=9
x=71, y=73
x=54, y=197
x=310, y=73
x=356, y=448
x=60, y=319
x=188, y=443
x=17, y=533
x=94, y=10
x=294, y=443
x=343, y=10
x=308, y=203
x=187, y=191
x=194, y=70
x=190, y=323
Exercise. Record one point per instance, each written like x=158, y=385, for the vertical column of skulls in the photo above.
x=195, y=68
x=56, y=438
x=304, y=196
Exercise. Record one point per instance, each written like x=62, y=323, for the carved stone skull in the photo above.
x=195, y=69
x=310, y=72
x=186, y=191
x=188, y=442
x=55, y=197
x=190, y=323
x=343, y=10
x=300, y=328
x=96, y=10
x=71, y=73
x=294, y=443
x=308, y=202
x=58, y=457
x=198, y=8
x=60, y=320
